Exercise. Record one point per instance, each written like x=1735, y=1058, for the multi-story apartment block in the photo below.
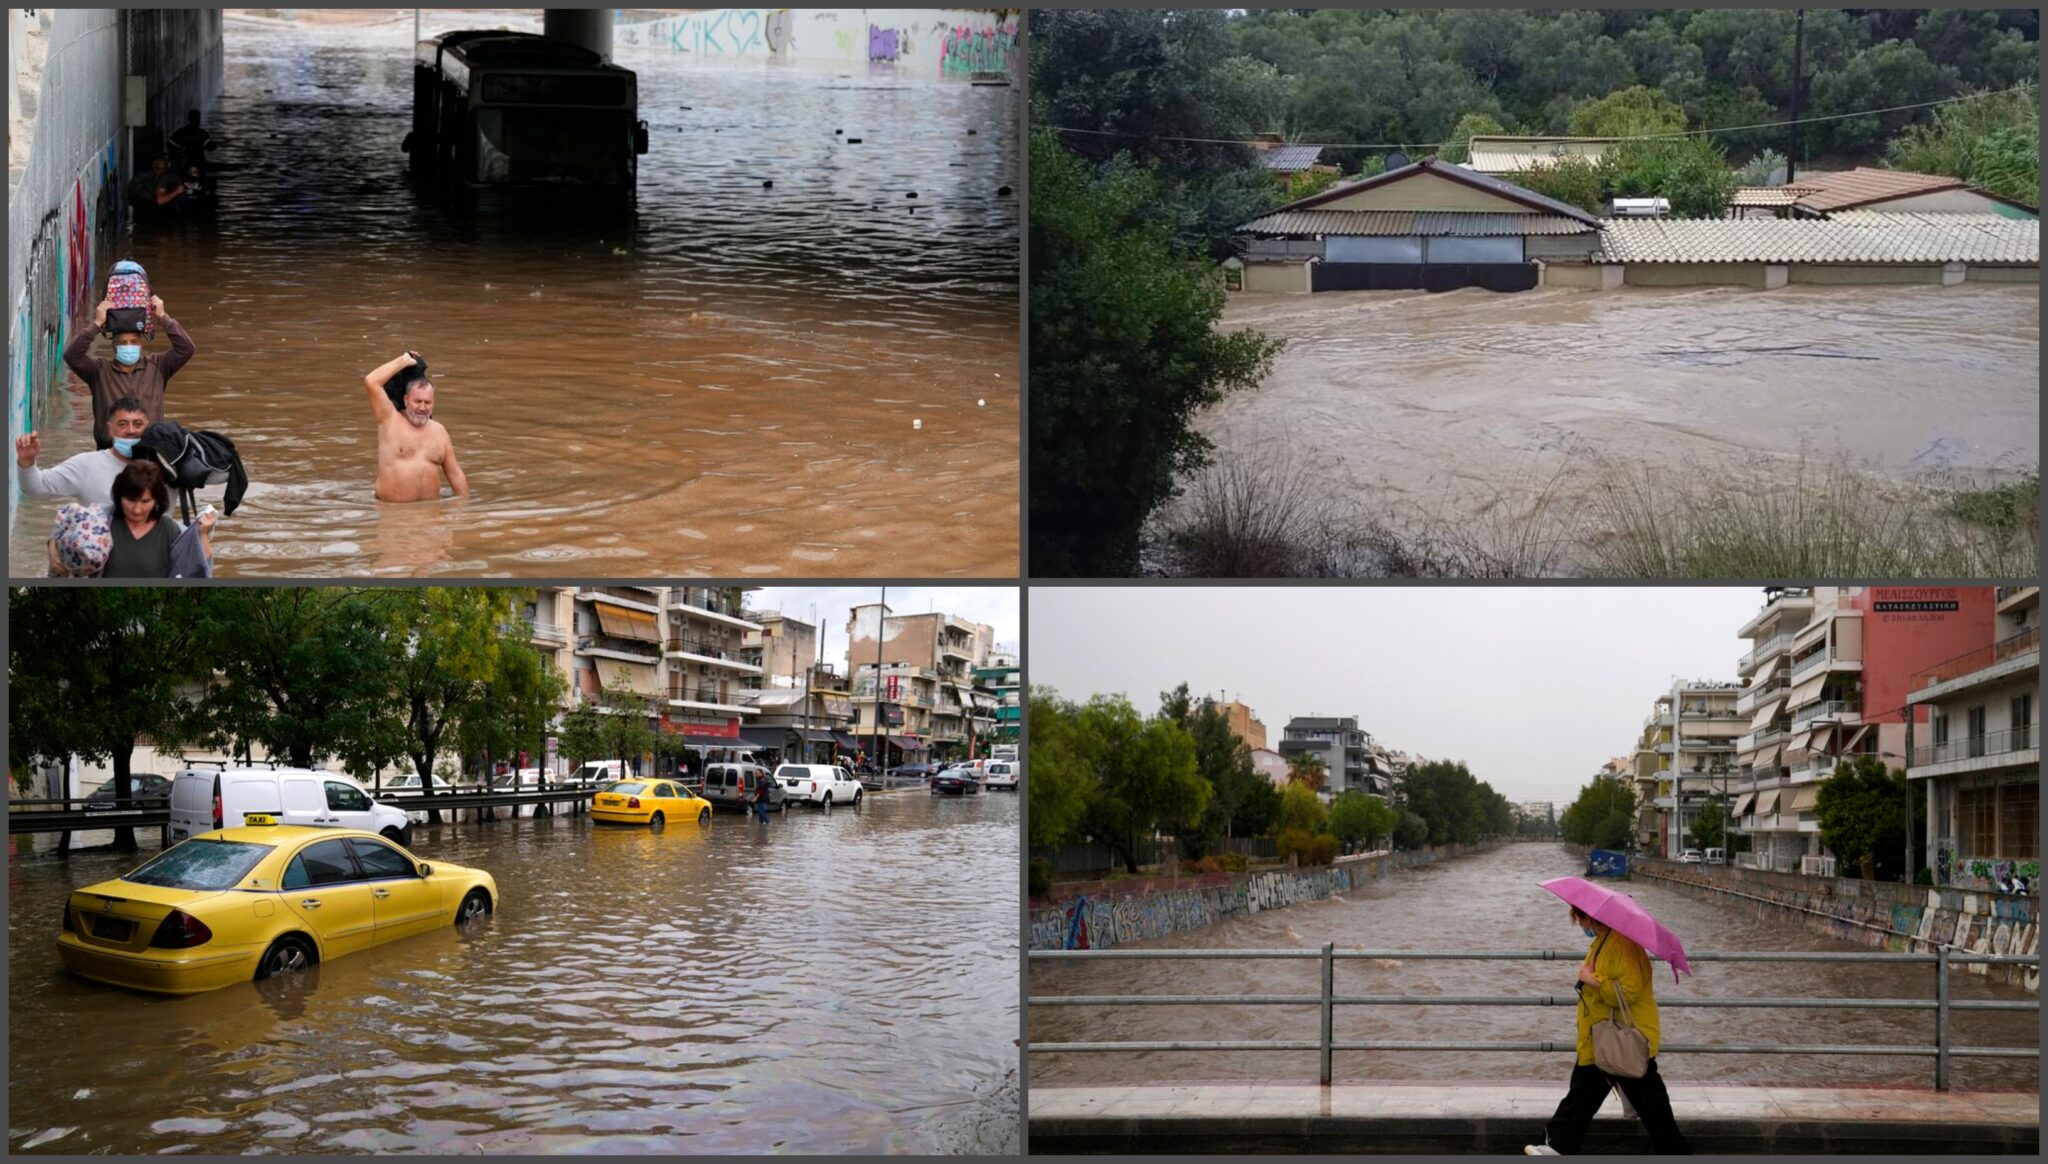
x=1977, y=759
x=1693, y=729
x=1002, y=678
x=784, y=648
x=915, y=673
x=1346, y=752
x=1243, y=724
x=1828, y=679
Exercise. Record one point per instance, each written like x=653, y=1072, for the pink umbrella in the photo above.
x=1621, y=913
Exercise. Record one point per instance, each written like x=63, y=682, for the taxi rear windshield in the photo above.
x=200, y=865
x=626, y=788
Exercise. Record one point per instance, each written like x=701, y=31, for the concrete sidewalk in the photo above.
x=1461, y=1116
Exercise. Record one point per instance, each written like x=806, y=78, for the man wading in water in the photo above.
x=413, y=450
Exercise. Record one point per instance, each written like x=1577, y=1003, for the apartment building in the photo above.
x=1272, y=765
x=1695, y=727
x=707, y=678
x=1346, y=752
x=1003, y=678
x=1828, y=674
x=806, y=723
x=784, y=648
x=1243, y=724
x=1976, y=762
x=915, y=672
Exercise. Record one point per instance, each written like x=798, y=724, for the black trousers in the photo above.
x=1566, y=1130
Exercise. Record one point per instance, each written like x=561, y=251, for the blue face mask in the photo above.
x=1589, y=933
x=125, y=445
x=128, y=353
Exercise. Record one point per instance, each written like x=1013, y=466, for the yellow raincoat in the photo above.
x=1616, y=959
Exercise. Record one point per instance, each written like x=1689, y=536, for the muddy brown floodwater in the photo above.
x=833, y=981
x=1490, y=901
x=1459, y=401
x=725, y=384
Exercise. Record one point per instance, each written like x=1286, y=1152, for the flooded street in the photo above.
x=1465, y=403
x=828, y=982
x=724, y=383
x=1490, y=901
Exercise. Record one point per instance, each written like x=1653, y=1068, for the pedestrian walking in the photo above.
x=130, y=375
x=1618, y=1028
x=761, y=797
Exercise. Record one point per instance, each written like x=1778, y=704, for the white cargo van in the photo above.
x=203, y=799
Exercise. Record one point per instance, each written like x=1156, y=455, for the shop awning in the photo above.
x=906, y=743
x=1765, y=714
x=623, y=623
x=847, y=741
x=1803, y=798
x=1806, y=692
x=713, y=741
x=1767, y=802
x=764, y=737
x=1743, y=802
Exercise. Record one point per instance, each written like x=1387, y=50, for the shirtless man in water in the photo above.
x=413, y=450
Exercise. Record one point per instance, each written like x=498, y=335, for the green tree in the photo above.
x=1884, y=76
x=1062, y=779
x=92, y=672
x=1412, y=832
x=1450, y=799
x=1637, y=111
x=1570, y=179
x=1300, y=808
x=1238, y=795
x=628, y=735
x=450, y=641
x=1862, y=813
x=1357, y=817
x=1709, y=829
x=1124, y=354
x=306, y=673
x=582, y=734
x=1146, y=782
x=513, y=706
x=1691, y=172
x=1602, y=815
x=1993, y=142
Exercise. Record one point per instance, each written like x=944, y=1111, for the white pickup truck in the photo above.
x=818, y=784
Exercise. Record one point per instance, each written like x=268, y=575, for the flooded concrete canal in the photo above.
x=1490, y=901
x=813, y=377
x=839, y=981
x=1468, y=405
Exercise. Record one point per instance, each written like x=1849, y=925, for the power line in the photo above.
x=1387, y=145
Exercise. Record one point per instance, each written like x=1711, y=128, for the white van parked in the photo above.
x=203, y=799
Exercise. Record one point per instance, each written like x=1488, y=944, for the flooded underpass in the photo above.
x=1491, y=902
x=797, y=356
x=1509, y=412
x=832, y=981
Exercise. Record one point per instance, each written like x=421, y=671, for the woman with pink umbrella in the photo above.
x=1618, y=1028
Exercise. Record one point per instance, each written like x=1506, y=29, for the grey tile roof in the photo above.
x=1405, y=223
x=1289, y=159
x=1874, y=238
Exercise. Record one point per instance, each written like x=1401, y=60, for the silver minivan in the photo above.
x=734, y=786
x=204, y=799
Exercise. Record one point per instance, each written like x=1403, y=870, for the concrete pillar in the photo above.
x=1611, y=276
x=1953, y=273
x=589, y=27
x=1776, y=275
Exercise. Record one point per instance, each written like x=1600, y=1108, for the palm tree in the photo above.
x=1308, y=768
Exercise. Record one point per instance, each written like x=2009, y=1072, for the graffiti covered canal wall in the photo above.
x=1098, y=916
x=949, y=43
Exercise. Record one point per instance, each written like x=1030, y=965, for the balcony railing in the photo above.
x=1753, y=697
x=1998, y=743
x=546, y=632
x=1766, y=649
x=639, y=650
x=1977, y=660
x=706, y=648
x=643, y=596
x=1818, y=660
x=1756, y=740
x=699, y=695
x=1834, y=708
x=2004, y=592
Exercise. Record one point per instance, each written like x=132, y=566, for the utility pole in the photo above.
x=1798, y=82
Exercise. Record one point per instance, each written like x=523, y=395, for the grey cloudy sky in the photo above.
x=1533, y=687
x=994, y=605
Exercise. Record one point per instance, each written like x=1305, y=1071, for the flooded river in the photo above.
x=728, y=383
x=1490, y=901
x=829, y=982
x=1467, y=405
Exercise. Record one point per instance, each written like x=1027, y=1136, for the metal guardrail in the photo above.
x=159, y=816
x=1328, y=1000
x=1977, y=747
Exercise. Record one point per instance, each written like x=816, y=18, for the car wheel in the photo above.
x=856, y=798
x=703, y=816
x=286, y=955
x=475, y=904
x=394, y=836
x=827, y=802
x=656, y=821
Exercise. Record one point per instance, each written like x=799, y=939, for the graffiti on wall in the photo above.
x=1100, y=923
x=724, y=33
x=884, y=43
x=968, y=50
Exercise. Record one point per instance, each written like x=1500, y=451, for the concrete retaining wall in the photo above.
x=1887, y=914
x=1117, y=913
x=64, y=204
x=954, y=43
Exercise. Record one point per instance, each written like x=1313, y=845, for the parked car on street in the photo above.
x=648, y=802
x=912, y=772
x=1002, y=775
x=822, y=784
x=144, y=790
x=206, y=799
x=734, y=786
x=1717, y=856
x=955, y=782
x=1689, y=857
x=182, y=922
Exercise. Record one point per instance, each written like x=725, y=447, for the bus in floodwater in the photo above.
x=494, y=109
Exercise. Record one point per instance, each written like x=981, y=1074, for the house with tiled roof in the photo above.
x=1869, y=188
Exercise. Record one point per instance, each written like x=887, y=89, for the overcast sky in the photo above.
x=1533, y=687
x=994, y=605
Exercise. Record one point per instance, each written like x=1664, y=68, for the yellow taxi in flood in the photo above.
x=649, y=802
x=234, y=904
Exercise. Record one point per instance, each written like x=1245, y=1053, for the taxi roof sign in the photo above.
x=258, y=818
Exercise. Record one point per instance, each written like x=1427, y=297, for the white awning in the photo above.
x=1810, y=636
x=1806, y=692
x=1742, y=803
x=1803, y=798
x=1765, y=714
x=1767, y=802
x=1769, y=673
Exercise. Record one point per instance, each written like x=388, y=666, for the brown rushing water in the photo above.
x=1460, y=401
x=831, y=982
x=1491, y=901
x=724, y=386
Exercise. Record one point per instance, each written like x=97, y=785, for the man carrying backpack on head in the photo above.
x=130, y=375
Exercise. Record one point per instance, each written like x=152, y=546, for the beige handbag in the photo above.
x=1620, y=1048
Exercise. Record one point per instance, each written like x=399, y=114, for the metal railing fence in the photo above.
x=1327, y=1000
